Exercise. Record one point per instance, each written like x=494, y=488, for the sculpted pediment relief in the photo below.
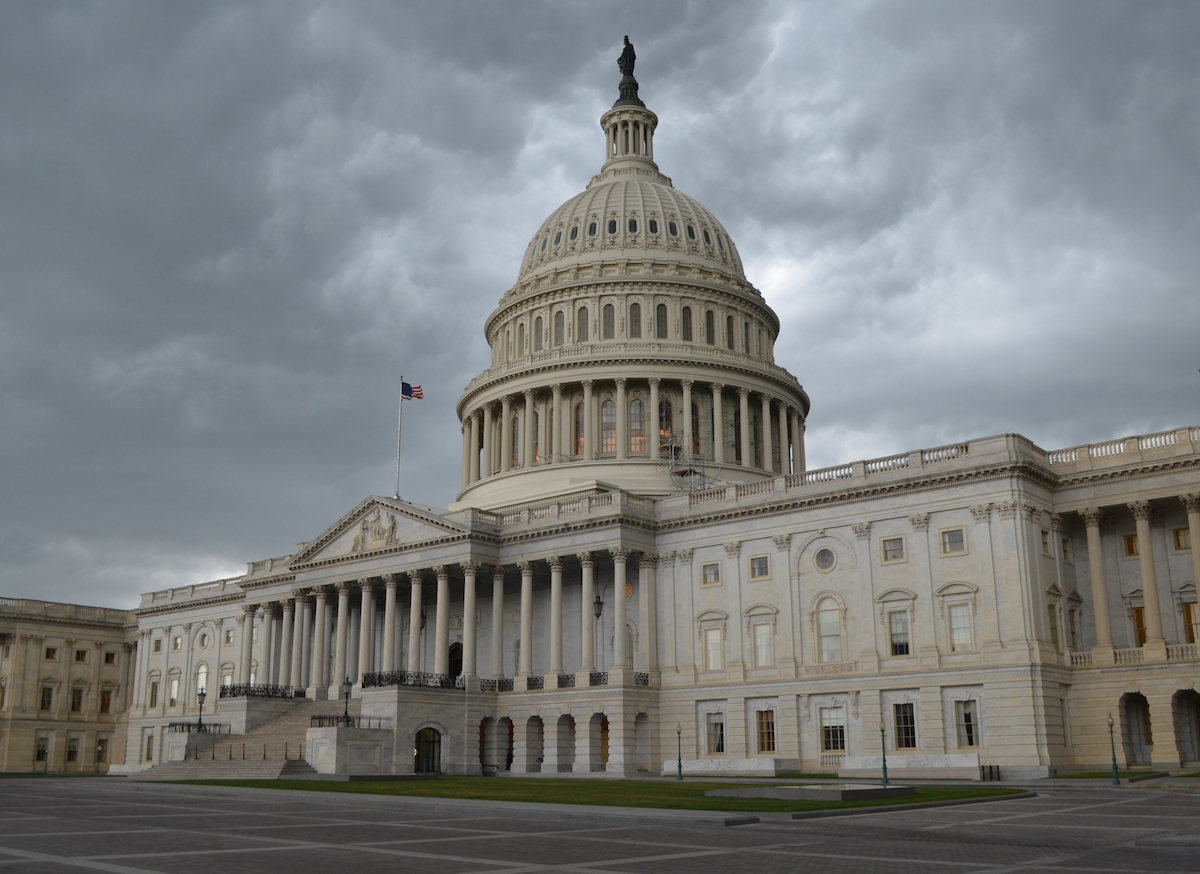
x=377, y=525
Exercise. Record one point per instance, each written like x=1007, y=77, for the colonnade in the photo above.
x=572, y=423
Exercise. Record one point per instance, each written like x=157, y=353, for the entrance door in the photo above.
x=427, y=758
x=1137, y=722
x=456, y=660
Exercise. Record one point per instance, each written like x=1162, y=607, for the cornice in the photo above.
x=173, y=606
x=1141, y=471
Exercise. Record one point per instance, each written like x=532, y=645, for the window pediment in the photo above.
x=896, y=595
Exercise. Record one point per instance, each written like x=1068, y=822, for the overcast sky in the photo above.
x=226, y=229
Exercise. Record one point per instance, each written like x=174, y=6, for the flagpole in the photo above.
x=399, y=422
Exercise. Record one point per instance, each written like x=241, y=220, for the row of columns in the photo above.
x=479, y=429
x=1151, y=604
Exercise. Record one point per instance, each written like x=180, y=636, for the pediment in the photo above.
x=378, y=525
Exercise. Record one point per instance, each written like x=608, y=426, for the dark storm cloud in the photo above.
x=225, y=229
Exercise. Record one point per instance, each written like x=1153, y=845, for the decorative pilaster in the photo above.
x=1156, y=648
x=1191, y=503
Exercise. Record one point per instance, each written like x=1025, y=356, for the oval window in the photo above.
x=557, y=237
x=707, y=239
x=203, y=641
x=691, y=232
x=574, y=232
x=612, y=226
x=545, y=240
x=633, y=226
x=825, y=559
x=673, y=229
x=592, y=229
x=654, y=226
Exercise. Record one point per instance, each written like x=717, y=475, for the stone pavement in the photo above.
x=66, y=826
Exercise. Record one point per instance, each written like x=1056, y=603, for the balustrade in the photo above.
x=259, y=690
x=382, y=679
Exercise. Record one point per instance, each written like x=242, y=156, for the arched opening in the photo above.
x=1136, y=732
x=608, y=428
x=635, y=320
x=202, y=679
x=610, y=321
x=534, y=739
x=737, y=436
x=660, y=321
x=696, y=430
x=710, y=329
x=456, y=660
x=537, y=334
x=641, y=743
x=536, y=439
x=637, y=426
x=520, y=340
x=516, y=442
x=686, y=324
x=581, y=333
x=565, y=742
x=729, y=338
x=427, y=752
x=665, y=421
x=578, y=429
x=558, y=329
x=1186, y=706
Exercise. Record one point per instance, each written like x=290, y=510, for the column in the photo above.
x=543, y=432
x=506, y=434
x=469, y=610
x=557, y=439
x=620, y=631
x=747, y=452
x=767, y=442
x=622, y=421
x=648, y=609
x=466, y=456
x=365, y=644
x=414, y=622
x=320, y=639
x=296, y=674
x=1091, y=518
x=798, y=442
x=651, y=423
x=498, y=623
x=342, y=636
x=139, y=668
x=587, y=629
x=556, y=569
x=476, y=428
x=718, y=423
x=306, y=655
x=246, y=621
x=1192, y=504
x=390, y=583
x=527, y=431
x=1152, y=608
x=526, y=666
x=784, y=445
x=489, y=462
x=589, y=442
x=330, y=628
x=688, y=437
x=285, y=644
x=263, y=675
x=441, y=637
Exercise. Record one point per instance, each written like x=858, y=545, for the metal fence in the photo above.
x=383, y=679
x=197, y=728
x=258, y=690
x=334, y=721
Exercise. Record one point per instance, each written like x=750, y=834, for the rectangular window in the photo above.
x=227, y=680
x=176, y=644
x=229, y=637
x=906, y=726
x=7, y=650
x=763, y=657
x=833, y=729
x=1139, y=626
x=953, y=542
x=51, y=653
x=154, y=694
x=766, y=730
x=829, y=631
x=1183, y=539
x=1073, y=624
x=967, y=723
x=898, y=631
x=149, y=748
x=81, y=656
x=712, y=575
x=760, y=568
x=76, y=700
x=893, y=549
x=157, y=647
x=1052, y=615
x=47, y=702
x=106, y=700
x=174, y=699
x=72, y=749
x=1131, y=548
x=1046, y=543
x=110, y=658
x=1189, y=622
x=43, y=749
x=102, y=750
x=714, y=655
x=716, y=733
x=960, y=628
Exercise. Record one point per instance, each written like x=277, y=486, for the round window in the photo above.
x=203, y=641
x=633, y=226
x=654, y=226
x=574, y=231
x=592, y=229
x=612, y=226
x=825, y=559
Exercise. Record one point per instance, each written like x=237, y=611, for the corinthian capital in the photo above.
x=1139, y=509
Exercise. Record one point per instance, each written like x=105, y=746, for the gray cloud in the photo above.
x=226, y=229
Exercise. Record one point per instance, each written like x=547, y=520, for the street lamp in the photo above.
x=1113, y=745
x=200, y=696
x=597, y=606
x=679, y=748
x=346, y=687
x=883, y=747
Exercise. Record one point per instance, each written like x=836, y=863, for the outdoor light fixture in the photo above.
x=200, y=696
x=883, y=748
x=597, y=606
x=679, y=748
x=1113, y=745
x=346, y=687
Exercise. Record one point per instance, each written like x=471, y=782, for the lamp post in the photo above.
x=346, y=687
x=200, y=696
x=1112, y=743
x=679, y=749
x=883, y=748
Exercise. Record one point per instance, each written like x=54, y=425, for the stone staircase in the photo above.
x=273, y=751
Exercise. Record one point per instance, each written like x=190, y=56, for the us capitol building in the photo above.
x=639, y=570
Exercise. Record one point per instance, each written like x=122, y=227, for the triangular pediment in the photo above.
x=375, y=526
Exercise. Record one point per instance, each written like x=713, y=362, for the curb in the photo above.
x=921, y=805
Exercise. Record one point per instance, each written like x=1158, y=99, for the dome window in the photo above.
x=574, y=233
x=673, y=229
x=707, y=239
x=720, y=245
x=635, y=320
x=633, y=226
x=691, y=232
x=592, y=229
x=545, y=240
x=612, y=226
x=557, y=237
x=654, y=226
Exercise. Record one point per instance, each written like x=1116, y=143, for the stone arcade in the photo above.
x=639, y=565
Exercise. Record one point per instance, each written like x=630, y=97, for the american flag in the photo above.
x=411, y=392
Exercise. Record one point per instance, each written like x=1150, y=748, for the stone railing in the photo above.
x=1182, y=652
x=1081, y=659
x=1180, y=441
x=832, y=760
x=1129, y=656
x=55, y=610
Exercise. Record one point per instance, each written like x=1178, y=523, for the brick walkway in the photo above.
x=49, y=826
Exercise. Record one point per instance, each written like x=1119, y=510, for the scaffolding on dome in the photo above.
x=687, y=471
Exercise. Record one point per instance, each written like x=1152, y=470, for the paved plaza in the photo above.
x=49, y=826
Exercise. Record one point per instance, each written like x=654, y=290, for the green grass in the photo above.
x=671, y=795
x=1097, y=775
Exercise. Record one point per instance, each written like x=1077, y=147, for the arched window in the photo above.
x=608, y=428
x=516, y=442
x=729, y=337
x=829, y=630
x=660, y=321
x=687, y=323
x=696, y=430
x=202, y=679
x=746, y=337
x=737, y=436
x=536, y=446
x=520, y=340
x=665, y=420
x=581, y=334
x=637, y=426
x=537, y=334
x=609, y=321
x=635, y=320
x=558, y=329
x=427, y=752
x=579, y=429
x=710, y=329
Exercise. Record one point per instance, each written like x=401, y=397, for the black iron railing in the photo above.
x=598, y=678
x=641, y=679
x=504, y=685
x=257, y=690
x=535, y=683
x=333, y=720
x=487, y=685
x=495, y=685
x=193, y=728
x=407, y=678
x=460, y=682
x=566, y=681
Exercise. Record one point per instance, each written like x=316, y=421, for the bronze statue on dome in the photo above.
x=628, y=58
x=629, y=85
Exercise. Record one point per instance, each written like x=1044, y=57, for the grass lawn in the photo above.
x=687, y=795
x=1098, y=775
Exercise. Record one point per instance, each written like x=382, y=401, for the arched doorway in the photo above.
x=1186, y=704
x=456, y=659
x=1139, y=741
x=427, y=754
